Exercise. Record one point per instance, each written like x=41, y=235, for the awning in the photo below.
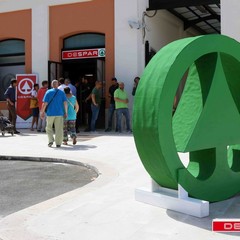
x=202, y=15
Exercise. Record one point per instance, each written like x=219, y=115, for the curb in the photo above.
x=44, y=159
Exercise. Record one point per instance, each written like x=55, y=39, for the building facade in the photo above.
x=52, y=38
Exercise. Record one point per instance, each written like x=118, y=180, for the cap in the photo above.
x=13, y=80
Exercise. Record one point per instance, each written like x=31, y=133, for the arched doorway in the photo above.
x=12, y=62
x=83, y=60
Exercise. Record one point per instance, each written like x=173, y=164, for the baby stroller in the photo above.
x=6, y=126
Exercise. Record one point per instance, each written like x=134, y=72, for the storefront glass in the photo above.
x=12, y=62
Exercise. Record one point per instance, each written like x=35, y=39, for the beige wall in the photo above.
x=17, y=25
x=230, y=23
x=95, y=16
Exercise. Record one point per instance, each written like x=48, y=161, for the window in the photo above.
x=12, y=62
x=85, y=40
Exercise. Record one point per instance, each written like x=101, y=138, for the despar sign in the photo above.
x=25, y=84
x=226, y=225
x=83, y=53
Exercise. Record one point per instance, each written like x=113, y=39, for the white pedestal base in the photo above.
x=176, y=200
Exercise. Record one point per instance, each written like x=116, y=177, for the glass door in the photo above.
x=54, y=71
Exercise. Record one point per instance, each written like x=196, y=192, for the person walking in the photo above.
x=10, y=96
x=73, y=89
x=86, y=91
x=55, y=105
x=135, y=85
x=41, y=92
x=34, y=106
x=111, y=110
x=70, y=121
x=121, y=101
x=96, y=102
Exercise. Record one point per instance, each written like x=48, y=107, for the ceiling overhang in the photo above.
x=168, y=4
x=202, y=15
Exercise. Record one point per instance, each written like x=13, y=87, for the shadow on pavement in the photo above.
x=225, y=209
x=71, y=147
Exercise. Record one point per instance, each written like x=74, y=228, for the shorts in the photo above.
x=35, y=112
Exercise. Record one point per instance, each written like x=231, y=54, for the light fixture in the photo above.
x=135, y=24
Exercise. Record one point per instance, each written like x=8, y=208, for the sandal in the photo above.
x=65, y=143
x=50, y=144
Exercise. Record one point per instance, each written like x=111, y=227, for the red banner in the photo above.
x=25, y=84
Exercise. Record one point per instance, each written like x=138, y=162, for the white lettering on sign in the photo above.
x=86, y=53
x=226, y=225
x=25, y=86
x=231, y=226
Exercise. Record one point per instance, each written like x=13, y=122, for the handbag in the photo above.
x=51, y=100
x=33, y=103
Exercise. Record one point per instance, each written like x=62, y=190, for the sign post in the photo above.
x=25, y=84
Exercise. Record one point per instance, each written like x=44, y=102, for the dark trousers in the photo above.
x=95, y=112
x=88, y=110
x=123, y=112
x=110, y=114
x=12, y=114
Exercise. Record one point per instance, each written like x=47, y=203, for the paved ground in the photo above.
x=105, y=209
x=26, y=183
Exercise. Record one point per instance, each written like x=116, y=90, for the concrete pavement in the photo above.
x=105, y=209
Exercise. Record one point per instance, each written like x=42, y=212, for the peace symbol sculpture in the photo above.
x=206, y=123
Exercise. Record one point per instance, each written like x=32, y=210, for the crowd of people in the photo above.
x=55, y=110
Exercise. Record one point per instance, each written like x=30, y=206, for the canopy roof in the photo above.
x=202, y=15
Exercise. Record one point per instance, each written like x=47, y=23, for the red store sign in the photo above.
x=83, y=53
x=226, y=225
x=25, y=83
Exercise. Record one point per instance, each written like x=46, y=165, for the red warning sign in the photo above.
x=25, y=84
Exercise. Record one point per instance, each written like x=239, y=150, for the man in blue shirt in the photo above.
x=55, y=102
x=10, y=96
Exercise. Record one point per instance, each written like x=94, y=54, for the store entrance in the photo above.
x=83, y=73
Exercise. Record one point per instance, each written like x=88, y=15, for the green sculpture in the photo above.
x=206, y=123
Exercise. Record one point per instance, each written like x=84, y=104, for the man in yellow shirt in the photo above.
x=121, y=102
